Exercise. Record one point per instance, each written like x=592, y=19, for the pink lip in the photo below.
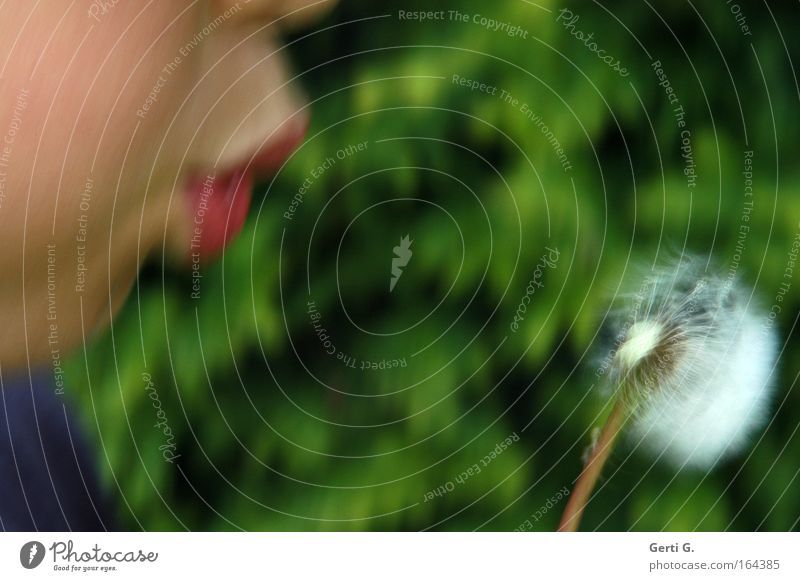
x=219, y=204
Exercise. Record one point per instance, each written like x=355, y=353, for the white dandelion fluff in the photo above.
x=692, y=364
x=693, y=360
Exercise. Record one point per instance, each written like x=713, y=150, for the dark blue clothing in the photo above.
x=48, y=481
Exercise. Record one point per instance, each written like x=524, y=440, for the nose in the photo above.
x=286, y=14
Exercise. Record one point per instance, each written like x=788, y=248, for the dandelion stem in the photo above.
x=594, y=465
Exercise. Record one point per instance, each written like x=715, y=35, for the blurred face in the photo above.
x=127, y=130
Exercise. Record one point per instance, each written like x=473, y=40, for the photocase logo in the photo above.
x=402, y=254
x=31, y=554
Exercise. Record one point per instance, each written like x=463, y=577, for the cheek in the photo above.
x=114, y=119
x=87, y=177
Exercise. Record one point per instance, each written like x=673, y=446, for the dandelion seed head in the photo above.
x=694, y=359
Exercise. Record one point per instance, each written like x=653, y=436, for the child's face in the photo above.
x=128, y=129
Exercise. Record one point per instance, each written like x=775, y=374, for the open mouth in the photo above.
x=219, y=203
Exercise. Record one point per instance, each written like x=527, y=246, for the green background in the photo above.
x=241, y=376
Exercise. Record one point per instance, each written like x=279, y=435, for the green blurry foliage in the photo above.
x=265, y=445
